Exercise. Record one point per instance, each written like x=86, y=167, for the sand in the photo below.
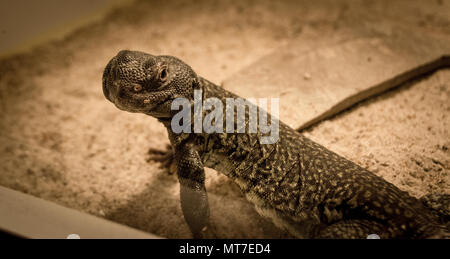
x=63, y=142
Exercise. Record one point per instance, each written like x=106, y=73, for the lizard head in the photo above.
x=139, y=82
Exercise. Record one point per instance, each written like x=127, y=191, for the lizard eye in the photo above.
x=163, y=74
x=137, y=88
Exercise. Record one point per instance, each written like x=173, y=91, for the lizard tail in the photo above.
x=439, y=205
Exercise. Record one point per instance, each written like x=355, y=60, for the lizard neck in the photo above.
x=232, y=153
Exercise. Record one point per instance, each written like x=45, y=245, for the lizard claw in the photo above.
x=164, y=157
x=208, y=232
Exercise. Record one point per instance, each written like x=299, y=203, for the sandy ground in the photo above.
x=62, y=141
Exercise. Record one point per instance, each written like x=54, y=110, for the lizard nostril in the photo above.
x=137, y=88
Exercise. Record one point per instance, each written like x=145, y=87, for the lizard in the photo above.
x=304, y=188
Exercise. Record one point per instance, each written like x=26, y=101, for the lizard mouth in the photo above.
x=153, y=111
x=139, y=103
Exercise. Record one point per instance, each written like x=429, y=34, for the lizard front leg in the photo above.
x=193, y=197
x=164, y=157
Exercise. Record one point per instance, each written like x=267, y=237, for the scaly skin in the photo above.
x=304, y=188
